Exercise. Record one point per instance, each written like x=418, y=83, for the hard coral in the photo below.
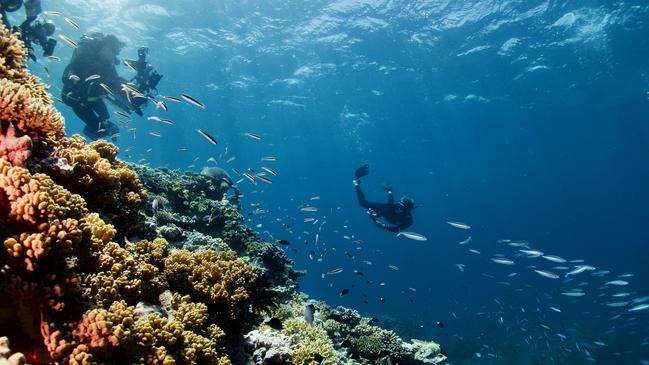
x=42, y=218
x=106, y=183
x=29, y=114
x=16, y=149
x=115, y=335
x=219, y=278
x=311, y=344
x=26, y=114
x=371, y=342
x=131, y=273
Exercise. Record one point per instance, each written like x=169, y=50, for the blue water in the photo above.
x=527, y=120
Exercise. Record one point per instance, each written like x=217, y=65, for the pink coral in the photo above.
x=16, y=149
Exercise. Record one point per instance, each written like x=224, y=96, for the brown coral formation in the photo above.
x=46, y=227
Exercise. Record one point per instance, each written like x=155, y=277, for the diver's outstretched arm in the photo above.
x=387, y=227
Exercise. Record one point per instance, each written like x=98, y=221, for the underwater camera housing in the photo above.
x=147, y=77
x=39, y=33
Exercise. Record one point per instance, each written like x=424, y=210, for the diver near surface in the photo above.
x=91, y=78
x=397, y=215
x=31, y=30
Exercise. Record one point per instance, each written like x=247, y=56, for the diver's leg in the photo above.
x=376, y=207
x=89, y=118
x=361, y=197
x=86, y=115
x=100, y=109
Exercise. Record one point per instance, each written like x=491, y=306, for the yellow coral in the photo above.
x=311, y=343
x=220, y=278
x=106, y=183
x=13, y=55
x=130, y=273
x=115, y=334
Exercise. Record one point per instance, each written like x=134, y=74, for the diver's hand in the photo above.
x=372, y=214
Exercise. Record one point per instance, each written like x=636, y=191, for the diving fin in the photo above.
x=362, y=171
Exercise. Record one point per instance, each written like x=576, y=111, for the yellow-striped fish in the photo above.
x=107, y=88
x=72, y=23
x=68, y=40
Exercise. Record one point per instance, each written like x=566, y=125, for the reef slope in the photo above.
x=109, y=263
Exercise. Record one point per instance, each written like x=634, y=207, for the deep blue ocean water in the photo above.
x=527, y=120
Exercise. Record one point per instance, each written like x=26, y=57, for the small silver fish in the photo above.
x=412, y=235
x=502, y=261
x=617, y=282
x=335, y=271
x=547, y=274
x=459, y=225
x=190, y=99
x=92, y=77
x=554, y=258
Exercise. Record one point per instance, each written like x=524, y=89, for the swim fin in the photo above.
x=362, y=171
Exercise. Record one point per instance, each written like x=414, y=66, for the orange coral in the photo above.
x=25, y=111
x=43, y=215
x=31, y=115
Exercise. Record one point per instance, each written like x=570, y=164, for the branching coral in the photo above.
x=13, y=58
x=312, y=346
x=26, y=113
x=219, y=278
x=372, y=342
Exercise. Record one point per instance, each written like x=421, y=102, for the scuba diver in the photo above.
x=31, y=30
x=91, y=78
x=397, y=215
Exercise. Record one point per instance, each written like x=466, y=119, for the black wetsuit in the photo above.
x=32, y=9
x=85, y=97
x=396, y=215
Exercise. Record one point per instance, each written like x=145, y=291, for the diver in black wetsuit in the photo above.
x=397, y=215
x=31, y=30
x=91, y=78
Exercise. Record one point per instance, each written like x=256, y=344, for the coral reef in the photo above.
x=192, y=221
x=336, y=336
x=82, y=293
x=106, y=183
